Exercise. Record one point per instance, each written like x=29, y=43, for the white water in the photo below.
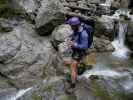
x=121, y=50
x=107, y=73
x=19, y=94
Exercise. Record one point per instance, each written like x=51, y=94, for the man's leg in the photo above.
x=74, y=71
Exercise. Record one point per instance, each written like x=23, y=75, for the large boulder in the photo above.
x=59, y=38
x=25, y=56
x=105, y=27
x=45, y=14
x=102, y=45
x=49, y=16
x=60, y=34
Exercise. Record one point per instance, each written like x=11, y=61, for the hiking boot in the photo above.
x=71, y=89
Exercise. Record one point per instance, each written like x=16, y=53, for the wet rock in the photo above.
x=50, y=89
x=104, y=86
x=102, y=45
x=129, y=36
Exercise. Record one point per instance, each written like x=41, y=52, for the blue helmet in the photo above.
x=73, y=21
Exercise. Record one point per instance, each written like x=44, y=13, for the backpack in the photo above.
x=89, y=25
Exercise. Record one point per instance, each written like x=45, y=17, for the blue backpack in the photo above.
x=89, y=26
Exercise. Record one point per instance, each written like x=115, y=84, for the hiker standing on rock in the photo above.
x=79, y=43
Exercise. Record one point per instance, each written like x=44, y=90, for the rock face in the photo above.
x=129, y=36
x=45, y=13
x=49, y=10
x=104, y=27
x=24, y=55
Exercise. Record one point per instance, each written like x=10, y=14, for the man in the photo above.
x=79, y=44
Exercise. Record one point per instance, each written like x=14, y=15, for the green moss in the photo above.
x=36, y=97
x=48, y=88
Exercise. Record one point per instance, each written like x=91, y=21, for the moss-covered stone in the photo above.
x=36, y=97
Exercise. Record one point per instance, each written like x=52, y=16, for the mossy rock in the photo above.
x=36, y=97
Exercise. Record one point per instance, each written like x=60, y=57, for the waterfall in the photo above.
x=119, y=43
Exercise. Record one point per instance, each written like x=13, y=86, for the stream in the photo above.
x=108, y=66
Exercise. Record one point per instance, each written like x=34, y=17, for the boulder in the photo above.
x=46, y=14
x=102, y=45
x=25, y=56
x=60, y=34
x=105, y=27
x=49, y=16
x=59, y=38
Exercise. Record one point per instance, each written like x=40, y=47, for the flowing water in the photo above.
x=112, y=68
x=119, y=43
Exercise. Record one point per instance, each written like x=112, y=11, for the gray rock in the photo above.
x=60, y=34
x=49, y=15
x=102, y=45
x=49, y=89
x=28, y=6
x=26, y=55
x=9, y=46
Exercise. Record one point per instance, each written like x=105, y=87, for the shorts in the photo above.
x=78, y=54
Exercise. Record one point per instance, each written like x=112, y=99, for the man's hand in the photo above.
x=71, y=44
